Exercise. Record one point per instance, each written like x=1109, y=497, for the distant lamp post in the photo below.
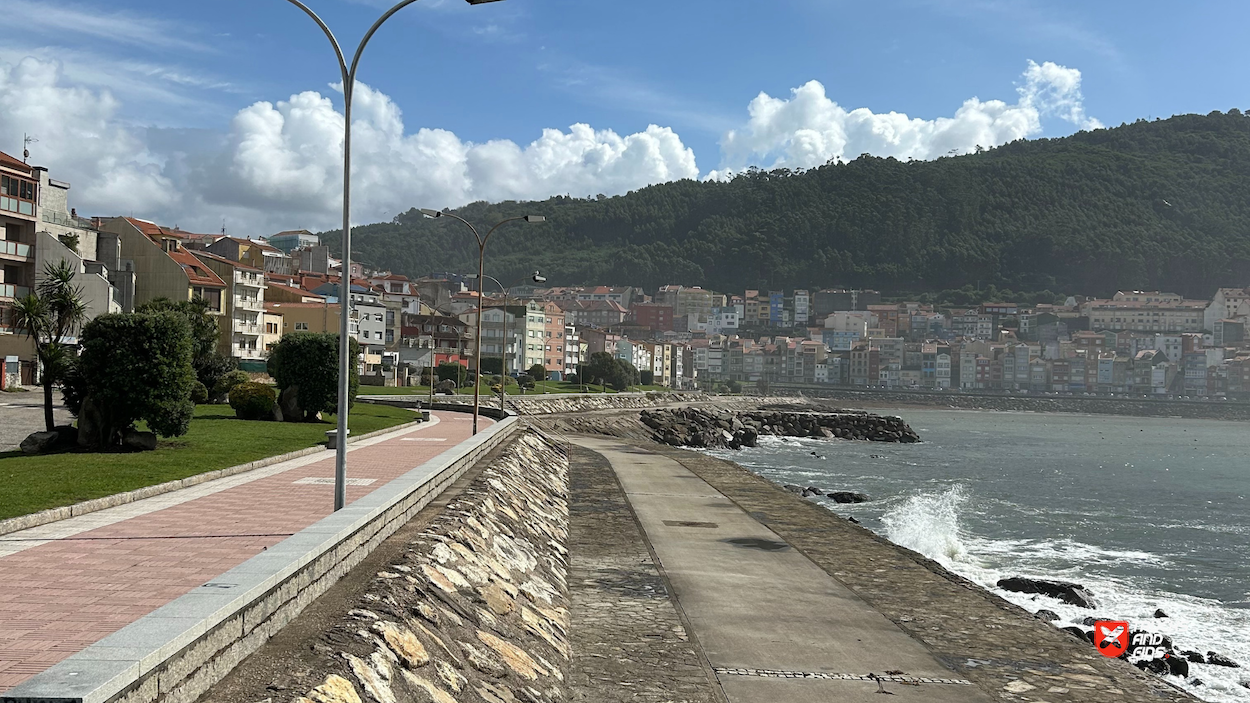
x=503, y=349
x=481, y=257
x=349, y=88
x=539, y=278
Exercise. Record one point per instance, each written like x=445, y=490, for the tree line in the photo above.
x=1159, y=204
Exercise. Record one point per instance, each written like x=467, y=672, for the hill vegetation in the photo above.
x=1162, y=204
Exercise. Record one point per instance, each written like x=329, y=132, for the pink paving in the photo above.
x=60, y=597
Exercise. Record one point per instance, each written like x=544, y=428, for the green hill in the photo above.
x=1163, y=204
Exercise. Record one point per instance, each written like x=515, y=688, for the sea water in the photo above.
x=1148, y=513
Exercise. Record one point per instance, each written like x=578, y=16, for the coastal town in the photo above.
x=1143, y=343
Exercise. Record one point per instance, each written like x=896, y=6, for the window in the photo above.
x=301, y=326
x=377, y=317
x=377, y=335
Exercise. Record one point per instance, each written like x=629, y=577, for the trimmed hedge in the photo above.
x=199, y=393
x=221, y=391
x=253, y=401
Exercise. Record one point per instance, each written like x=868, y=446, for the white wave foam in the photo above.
x=929, y=523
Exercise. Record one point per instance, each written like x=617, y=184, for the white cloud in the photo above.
x=63, y=18
x=810, y=129
x=78, y=133
x=280, y=165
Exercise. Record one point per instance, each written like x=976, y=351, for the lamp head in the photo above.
x=535, y=219
x=539, y=278
x=431, y=213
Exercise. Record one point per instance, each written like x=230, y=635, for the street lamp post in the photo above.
x=348, y=74
x=503, y=353
x=481, y=257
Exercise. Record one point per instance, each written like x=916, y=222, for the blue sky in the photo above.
x=151, y=106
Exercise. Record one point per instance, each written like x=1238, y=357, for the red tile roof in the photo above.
x=191, y=266
x=224, y=260
x=15, y=164
x=195, y=269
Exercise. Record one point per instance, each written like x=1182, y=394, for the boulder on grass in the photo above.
x=139, y=441
x=40, y=442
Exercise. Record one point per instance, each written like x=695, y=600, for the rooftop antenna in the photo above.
x=27, y=140
x=223, y=226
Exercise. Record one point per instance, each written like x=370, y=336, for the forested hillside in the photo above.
x=1163, y=204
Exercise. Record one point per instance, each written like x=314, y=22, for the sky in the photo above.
x=230, y=113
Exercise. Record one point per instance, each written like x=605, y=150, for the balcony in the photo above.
x=11, y=291
x=15, y=250
x=241, y=327
x=252, y=304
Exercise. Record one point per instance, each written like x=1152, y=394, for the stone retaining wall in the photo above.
x=477, y=608
x=539, y=404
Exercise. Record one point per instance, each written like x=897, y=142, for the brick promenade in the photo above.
x=68, y=584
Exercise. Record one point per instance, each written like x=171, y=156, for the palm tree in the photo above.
x=49, y=315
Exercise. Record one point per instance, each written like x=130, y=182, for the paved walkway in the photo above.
x=70, y=583
x=773, y=625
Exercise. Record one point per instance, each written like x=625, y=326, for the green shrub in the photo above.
x=226, y=383
x=199, y=393
x=253, y=401
x=309, y=362
x=135, y=367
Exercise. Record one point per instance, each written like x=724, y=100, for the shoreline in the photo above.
x=1078, y=405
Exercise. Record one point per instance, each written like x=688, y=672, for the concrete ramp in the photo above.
x=772, y=624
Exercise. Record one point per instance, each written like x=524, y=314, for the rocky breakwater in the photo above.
x=715, y=428
x=477, y=609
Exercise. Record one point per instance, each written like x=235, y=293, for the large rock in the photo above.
x=139, y=441
x=1221, y=660
x=40, y=442
x=90, y=424
x=846, y=497
x=289, y=408
x=1070, y=593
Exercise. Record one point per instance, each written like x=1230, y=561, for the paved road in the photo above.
x=763, y=613
x=70, y=583
x=22, y=414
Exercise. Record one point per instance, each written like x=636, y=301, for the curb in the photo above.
x=44, y=517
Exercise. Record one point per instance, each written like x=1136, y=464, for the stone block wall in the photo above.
x=477, y=608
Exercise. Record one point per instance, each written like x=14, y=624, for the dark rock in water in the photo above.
x=1178, y=666
x=846, y=497
x=1160, y=614
x=1074, y=631
x=815, y=491
x=1195, y=682
x=1070, y=593
x=1047, y=615
x=852, y=519
x=1244, y=684
x=1154, y=666
x=793, y=488
x=1221, y=660
x=1195, y=657
x=1090, y=636
x=1089, y=622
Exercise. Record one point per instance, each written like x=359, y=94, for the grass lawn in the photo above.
x=216, y=440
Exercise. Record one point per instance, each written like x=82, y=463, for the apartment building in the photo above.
x=163, y=266
x=242, y=323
